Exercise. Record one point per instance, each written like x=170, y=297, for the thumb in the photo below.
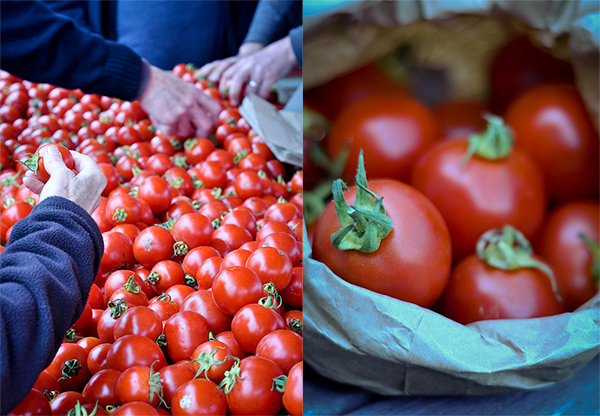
x=53, y=161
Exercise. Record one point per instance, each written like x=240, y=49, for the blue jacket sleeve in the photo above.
x=43, y=46
x=47, y=269
x=273, y=20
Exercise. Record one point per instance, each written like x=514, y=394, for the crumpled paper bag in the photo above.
x=366, y=339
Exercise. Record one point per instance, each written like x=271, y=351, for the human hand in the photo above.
x=176, y=107
x=257, y=72
x=213, y=70
x=83, y=188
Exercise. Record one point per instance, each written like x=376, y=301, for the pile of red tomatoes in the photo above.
x=197, y=307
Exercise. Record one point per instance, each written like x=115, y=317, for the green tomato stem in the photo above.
x=496, y=142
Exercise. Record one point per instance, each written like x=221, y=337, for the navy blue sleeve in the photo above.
x=46, y=272
x=273, y=20
x=296, y=38
x=43, y=46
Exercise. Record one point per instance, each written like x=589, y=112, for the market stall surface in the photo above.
x=580, y=395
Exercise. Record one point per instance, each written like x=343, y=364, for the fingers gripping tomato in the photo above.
x=36, y=162
x=410, y=262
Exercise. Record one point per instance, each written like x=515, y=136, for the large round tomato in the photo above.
x=252, y=322
x=132, y=350
x=139, y=384
x=172, y=377
x=184, y=332
x=392, y=130
x=293, y=393
x=552, y=125
x=198, y=397
x=562, y=241
x=478, y=292
x=152, y=245
x=101, y=388
x=283, y=347
x=412, y=262
x=235, y=287
x=69, y=367
x=139, y=320
x=34, y=403
x=480, y=194
x=252, y=392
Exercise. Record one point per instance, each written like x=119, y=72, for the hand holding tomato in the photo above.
x=83, y=188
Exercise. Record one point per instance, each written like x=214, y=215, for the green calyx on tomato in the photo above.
x=279, y=383
x=117, y=308
x=507, y=248
x=364, y=224
x=296, y=326
x=32, y=162
x=496, y=142
x=231, y=375
x=206, y=360
x=155, y=384
x=594, y=249
x=273, y=299
x=70, y=369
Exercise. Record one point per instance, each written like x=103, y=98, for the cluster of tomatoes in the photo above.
x=493, y=216
x=197, y=307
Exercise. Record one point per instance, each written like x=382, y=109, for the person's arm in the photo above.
x=47, y=270
x=273, y=20
x=42, y=46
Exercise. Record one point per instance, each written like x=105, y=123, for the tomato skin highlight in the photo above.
x=552, y=125
x=412, y=263
x=479, y=194
x=478, y=292
x=392, y=130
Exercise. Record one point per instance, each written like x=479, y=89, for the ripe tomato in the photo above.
x=199, y=397
x=139, y=384
x=476, y=195
x=202, y=302
x=293, y=393
x=552, y=125
x=193, y=229
x=412, y=262
x=47, y=383
x=185, y=331
x=235, y=287
x=233, y=235
x=207, y=271
x=164, y=274
x=132, y=350
x=478, y=289
x=375, y=124
x=562, y=241
x=135, y=409
x=460, y=118
x=157, y=192
x=97, y=358
x=252, y=322
x=122, y=209
x=69, y=367
x=34, y=403
x=271, y=265
x=281, y=346
x=101, y=388
x=118, y=252
x=152, y=245
x=173, y=376
x=235, y=258
x=15, y=212
x=36, y=162
x=212, y=359
x=139, y=320
x=251, y=391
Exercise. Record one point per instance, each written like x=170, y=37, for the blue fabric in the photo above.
x=46, y=272
x=43, y=46
x=167, y=33
x=274, y=20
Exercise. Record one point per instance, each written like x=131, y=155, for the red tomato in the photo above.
x=185, y=331
x=196, y=256
x=478, y=292
x=152, y=245
x=199, y=397
x=123, y=209
x=252, y=392
x=157, y=192
x=139, y=320
x=212, y=359
x=480, y=194
x=374, y=125
x=135, y=409
x=139, y=384
x=412, y=262
x=193, y=229
x=69, y=367
x=252, y=322
x=562, y=241
x=235, y=287
x=248, y=184
x=36, y=163
x=132, y=350
x=173, y=376
x=198, y=149
x=281, y=346
x=202, y=302
x=236, y=257
x=97, y=358
x=552, y=125
x=101, y=388
x=118, y=252
x=271, y=265
x=16, y=212
x=164, y=309
x=293, y=393
x=234, y=235
x=164, y=274
x=46, y=383
x=207, y=271
x=286, y=243
x=460, y=118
